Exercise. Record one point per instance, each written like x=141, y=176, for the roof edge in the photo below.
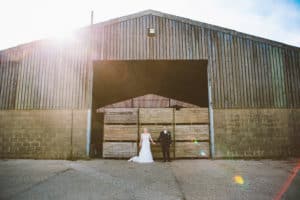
x=196, y=23
x=171, y=17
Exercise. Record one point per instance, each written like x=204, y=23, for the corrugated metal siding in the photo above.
x=244, y=72
x=44, y=76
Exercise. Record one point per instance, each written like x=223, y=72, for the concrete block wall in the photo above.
x=43, y=134
x=257, y=133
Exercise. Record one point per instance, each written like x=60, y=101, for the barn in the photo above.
x=223, y=94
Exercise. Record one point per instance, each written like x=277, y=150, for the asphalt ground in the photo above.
x=180, y=179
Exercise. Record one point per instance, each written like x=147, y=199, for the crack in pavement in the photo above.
x=178, y=183
x=39, y=183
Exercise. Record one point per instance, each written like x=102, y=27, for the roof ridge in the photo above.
x=176, y=18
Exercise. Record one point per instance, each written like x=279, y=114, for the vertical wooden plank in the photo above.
x=80, y=64
x=54, y=79
x=292, y=78
x=2, y=76
x=28, y=96
x=42, y=75
x=217, y=77
x=52, y=57
x=201, y=43
x=249, y=75
x=33, y=72
x=177, y=41
x=236, y=73
x=296, y=95
x=62, y=75
x=253, y=74
x=28, y=52
x=73, y=74
x=288, y=78
x=183, y=34
x=269, y=72
x=196, y=42
x=38, y=78
x=10, y=80
x=135, y=41
x=153, y=39
x=266, y=88
x=6, y=83
x=172, y=39
x=36, y=85
x=296, y=62
x=223, y=72
x=240, y=81
x=241, y=66
x=158, y=55
x=283, y=78
x=114, y=42
x=228, y=72
x=166, y=39
x=46, y=77
x=5, y=80
x=275, y=77
x=260, y=71
x=258, y=100
x=214, y=68
x=223, y=87
x=193, y=56
x=13, y=79
x=279, y=78
x=145, y=38
x=83, y=59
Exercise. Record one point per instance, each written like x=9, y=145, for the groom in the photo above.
x=165, y=141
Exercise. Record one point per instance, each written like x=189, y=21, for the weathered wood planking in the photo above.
x=157, y=152
x=192, y=132
x=241, y=60
x=183, y=104
x=192, y=150
x=155, y=130
x=191, y=115
x=120, y=132
x=156, y=115
x=119, y=149
x=121, y=116
x=151, y=101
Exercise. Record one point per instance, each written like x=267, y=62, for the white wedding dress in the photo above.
x=145, y=155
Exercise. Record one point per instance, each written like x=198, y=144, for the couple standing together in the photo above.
x=145, y=155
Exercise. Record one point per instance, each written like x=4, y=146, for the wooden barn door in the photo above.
x=120, y=133
x=189, y=127
x=155, y=119
x=192, y=133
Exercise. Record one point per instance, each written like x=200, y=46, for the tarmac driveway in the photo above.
x=180, y=179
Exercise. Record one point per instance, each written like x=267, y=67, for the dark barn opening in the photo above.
x=115, y=81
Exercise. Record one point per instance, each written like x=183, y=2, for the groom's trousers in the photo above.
x=166, y=152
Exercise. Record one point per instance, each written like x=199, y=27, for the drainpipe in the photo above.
x=211, y=124
x=90, y=90
x=88, y=132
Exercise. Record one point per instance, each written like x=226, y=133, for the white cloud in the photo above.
x=24, y=21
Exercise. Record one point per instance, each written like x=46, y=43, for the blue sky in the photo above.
x=24, y=21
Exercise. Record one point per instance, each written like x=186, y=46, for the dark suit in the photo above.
x=165, y=141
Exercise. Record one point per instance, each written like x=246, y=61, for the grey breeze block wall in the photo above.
x=254, y=81
x=47, y=134
x=257, y=133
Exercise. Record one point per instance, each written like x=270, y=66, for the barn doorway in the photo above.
x=115, y=83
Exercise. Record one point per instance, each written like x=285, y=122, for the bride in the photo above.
x=145, y=155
